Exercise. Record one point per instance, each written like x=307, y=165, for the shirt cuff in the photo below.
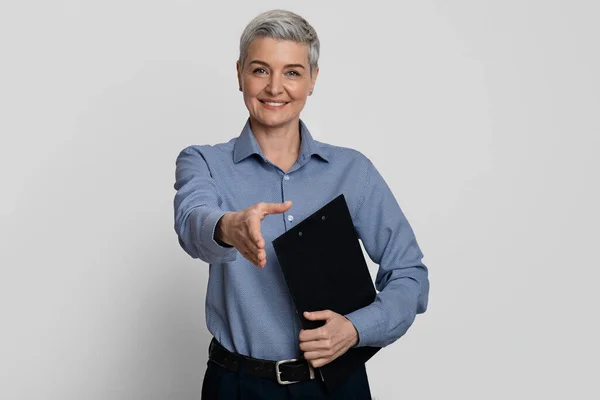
x=369, y=322
x=207, y=234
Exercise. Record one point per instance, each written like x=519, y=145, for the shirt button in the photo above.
x=290, y=218
x=286, y=177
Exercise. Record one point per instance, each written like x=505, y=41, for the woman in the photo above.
x=234, y=198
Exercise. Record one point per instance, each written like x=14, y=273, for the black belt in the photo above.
x=284, y=371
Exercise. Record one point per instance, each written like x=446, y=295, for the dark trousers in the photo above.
x=223, y=384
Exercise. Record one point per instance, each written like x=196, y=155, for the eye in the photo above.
x=259, y=71
x=293, y=73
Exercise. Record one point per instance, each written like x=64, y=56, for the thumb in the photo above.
x=317, y=315
x=277, y=208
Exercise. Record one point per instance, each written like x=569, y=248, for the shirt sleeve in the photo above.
x=402, y=279
x=198, y=209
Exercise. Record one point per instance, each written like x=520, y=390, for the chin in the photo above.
x=275, y=121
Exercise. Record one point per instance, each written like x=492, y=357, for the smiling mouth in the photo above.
x=273, y=103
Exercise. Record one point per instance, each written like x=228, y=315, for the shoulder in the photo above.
x=209, y=150
x=205, y=157
x=349, y=157
x=213, y=155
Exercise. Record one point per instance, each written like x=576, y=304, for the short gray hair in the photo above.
x=281, y=25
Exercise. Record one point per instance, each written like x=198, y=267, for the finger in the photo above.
x=318, y=315
x=262, y=255
x=249, y=255
x=256, y=241
x=315, y=345
x=274, y=208
x=257, y=256
x=313, y=334
x=262, y=258
x=319, y=362
x=314, y=355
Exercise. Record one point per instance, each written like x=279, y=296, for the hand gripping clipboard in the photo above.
x=324, y=268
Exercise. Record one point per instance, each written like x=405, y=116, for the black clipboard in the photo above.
x=324, y=268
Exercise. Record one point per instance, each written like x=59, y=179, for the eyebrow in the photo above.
x=285, y=66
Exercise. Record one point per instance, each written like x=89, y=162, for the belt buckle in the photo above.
x=291, y=360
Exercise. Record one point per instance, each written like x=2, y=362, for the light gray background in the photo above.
x=483, y=116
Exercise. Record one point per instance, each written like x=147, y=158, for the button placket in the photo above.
x=289, y=218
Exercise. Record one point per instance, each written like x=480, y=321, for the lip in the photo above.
x=270, y=107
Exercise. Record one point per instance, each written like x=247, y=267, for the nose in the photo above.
x=275, y=86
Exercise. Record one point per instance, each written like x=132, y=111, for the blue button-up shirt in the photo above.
x=248, y=309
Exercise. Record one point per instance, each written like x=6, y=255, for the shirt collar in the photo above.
x=246, y=145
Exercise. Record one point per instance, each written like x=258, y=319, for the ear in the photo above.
x=313, y=79
x=238, y=67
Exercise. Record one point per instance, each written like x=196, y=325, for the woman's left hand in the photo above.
x=326, y=343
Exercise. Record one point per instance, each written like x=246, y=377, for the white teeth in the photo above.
x=274, y=104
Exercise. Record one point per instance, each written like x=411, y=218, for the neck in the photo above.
x=277, y=142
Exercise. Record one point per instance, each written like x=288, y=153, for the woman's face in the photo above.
x=276, y=80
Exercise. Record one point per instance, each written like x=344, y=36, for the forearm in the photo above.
x=402, y=278
x=200, y=238
x=198, y=209
x=394, y=309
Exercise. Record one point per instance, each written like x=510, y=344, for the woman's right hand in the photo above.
x=242, y=230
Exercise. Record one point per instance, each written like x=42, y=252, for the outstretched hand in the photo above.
x=242, y=230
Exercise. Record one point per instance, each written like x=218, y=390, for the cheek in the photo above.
x=252, y=87
x=299, y=93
